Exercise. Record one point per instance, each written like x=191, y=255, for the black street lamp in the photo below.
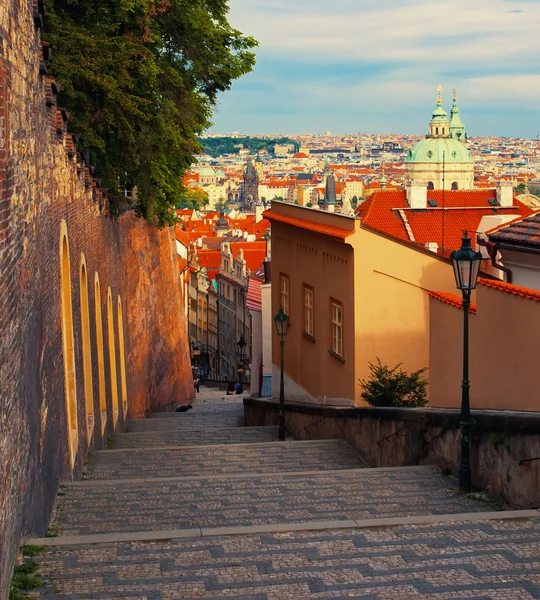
x=241, y=345
x=282, y=326
x=466, y=263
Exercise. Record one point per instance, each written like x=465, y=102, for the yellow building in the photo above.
x=352, y=294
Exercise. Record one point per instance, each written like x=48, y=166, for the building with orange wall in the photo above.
x=353, y=294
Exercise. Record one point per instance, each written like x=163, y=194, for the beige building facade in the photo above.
x=353, y=295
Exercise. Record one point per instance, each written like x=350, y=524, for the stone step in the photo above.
x=220, y=415
x=482, y=560
x=220, y=502
x=195, y=437
x=222, y=460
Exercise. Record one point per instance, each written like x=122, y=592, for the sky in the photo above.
x=350, y=66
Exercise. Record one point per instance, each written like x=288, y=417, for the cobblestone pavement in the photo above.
x=497, y=560
x=196, y=437
x=200, y=416
x=222, y=460
x=185, y=504
x=229, y=477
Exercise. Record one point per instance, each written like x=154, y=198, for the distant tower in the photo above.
x=222, y=226
x=457, y=129
x=250, y=188
x=330, y=196
x=442, y=158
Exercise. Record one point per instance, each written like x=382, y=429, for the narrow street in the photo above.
x=195, y=505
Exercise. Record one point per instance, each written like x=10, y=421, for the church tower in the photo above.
x=250, y=187
x=442, y=160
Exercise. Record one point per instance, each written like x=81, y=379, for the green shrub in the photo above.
x=394, y=387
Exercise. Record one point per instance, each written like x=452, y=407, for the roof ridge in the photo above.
x=451, y=300
x=511, y=288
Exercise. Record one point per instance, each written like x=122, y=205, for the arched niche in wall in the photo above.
x=122, y=349
x=66, y=317
x=100, y=354
x=86, y=351
x=112, y=357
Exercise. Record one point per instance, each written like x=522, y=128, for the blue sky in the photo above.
x=353, y=66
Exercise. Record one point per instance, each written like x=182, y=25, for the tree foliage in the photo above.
x=218, y=146
x=394, y=387
x=140, y=79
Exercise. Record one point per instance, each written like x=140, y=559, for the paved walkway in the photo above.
x=194, y=505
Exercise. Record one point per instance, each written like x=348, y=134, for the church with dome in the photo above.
x=442, y=160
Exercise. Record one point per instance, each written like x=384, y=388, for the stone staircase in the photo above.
x=195, y=505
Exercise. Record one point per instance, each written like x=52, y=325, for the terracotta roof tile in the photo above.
x=451, y=299
x=381, y=212
x=520, y=231
x=510, y=288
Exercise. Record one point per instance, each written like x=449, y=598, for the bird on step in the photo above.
x=183, y=408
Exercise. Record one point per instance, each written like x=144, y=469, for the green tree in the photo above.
x=394, y=387
x=140, y=80
x=520, y=189
x=221, y=204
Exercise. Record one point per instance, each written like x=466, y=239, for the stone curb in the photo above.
x=202, y=446
x=203, y=532
x=317, y=473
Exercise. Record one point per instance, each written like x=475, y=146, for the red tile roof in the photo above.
x=510, y=288
x=523, y=232
x=381, y=212
x=451, y=299
x=309, y=225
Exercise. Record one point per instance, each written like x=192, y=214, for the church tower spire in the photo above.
x=457, y=129
x=439, y=125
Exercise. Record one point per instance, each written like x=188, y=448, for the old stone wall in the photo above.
x=503, y=444
x=46, y=188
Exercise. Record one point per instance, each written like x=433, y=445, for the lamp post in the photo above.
x=466, y=263
x=282, y=326
x=241, y=345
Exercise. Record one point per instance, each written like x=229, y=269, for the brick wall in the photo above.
x=42, y=183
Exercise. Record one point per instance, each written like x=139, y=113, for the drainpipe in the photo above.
x=492, y=251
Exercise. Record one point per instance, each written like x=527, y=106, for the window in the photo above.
x=337, y=327
x=308, y=311
x=284, y=293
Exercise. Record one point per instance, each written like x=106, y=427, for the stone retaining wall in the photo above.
x=502, y=443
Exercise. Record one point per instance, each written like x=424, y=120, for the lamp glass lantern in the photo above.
x=241, y=345
x=466, y=263
x=282, y=322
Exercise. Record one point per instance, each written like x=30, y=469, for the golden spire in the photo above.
x=455, y=96
x=439, y=99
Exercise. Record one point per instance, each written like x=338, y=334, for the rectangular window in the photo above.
x=284, y=293
x=337, y=327
x=308, y=311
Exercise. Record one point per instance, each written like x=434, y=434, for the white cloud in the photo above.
x=419, y=30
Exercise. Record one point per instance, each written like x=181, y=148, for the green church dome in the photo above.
x=431, y=150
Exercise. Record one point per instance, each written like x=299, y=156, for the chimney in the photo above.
x=267, y=263
x=258, y=213
x=432, y=247
x=416, y=195
x=505, y=193
x=199, y=242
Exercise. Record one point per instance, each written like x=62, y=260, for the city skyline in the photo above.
x=350, y=68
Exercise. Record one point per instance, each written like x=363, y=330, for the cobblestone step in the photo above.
x=195, y=437
x=216, y=415
x=495, y=560
x=222, y=460
x=220, y=502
